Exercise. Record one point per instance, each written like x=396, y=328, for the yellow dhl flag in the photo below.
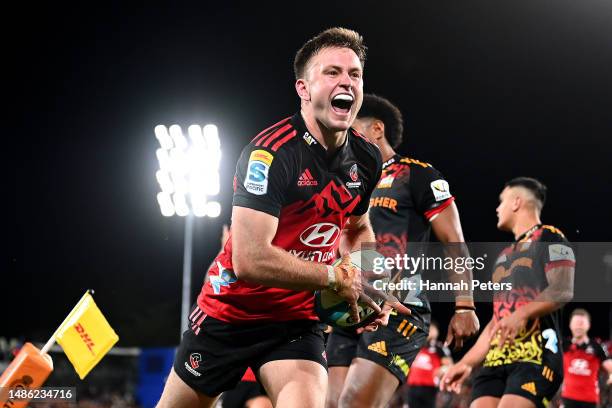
x=85, y=336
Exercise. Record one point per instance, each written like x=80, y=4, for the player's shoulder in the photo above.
x=415, y=163
x=274, y=140
x=550, y=233
x=420, y=169
x=599, y=348
x=361, y=143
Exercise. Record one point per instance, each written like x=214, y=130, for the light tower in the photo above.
x=188, y=176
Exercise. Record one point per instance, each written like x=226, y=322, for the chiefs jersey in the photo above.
x=286, y=173
x=427, y=362
x=524, y=265
x=581, y=363
x=408, y=196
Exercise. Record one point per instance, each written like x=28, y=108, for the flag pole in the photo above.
x=51, y=341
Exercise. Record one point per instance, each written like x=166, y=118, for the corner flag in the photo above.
x=85, y=335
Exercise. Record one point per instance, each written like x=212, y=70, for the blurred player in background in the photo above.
x=582, y=359
x=520, y=347
x=410, y=200
x=429, y=365
x=301, y=187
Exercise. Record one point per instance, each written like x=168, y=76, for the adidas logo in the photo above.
x=529, y=387
x=306, y=179
x=379, y=347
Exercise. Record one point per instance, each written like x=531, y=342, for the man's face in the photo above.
x=505, y=212
x=433, y=333
x=579, y=325
x=334, y=87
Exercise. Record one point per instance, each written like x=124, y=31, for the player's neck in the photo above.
x=386, y=151
x=524, y=224
x=580, y=340
x=330, y=140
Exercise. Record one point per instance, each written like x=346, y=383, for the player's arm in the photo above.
x=256, y=260
x=547, y=302
x=559, y=291
x=607, y=365
x=606, y=361
x=458, y=373
x=464, y=323
x=357, y=230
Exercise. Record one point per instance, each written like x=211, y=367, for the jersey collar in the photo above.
x=311, y=142
x=527, y=234
x=396, y=157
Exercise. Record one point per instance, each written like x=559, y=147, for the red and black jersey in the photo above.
x=408, y=196
x=581, y=363
x=524, y=265
x=286, y=173
x=426, y=364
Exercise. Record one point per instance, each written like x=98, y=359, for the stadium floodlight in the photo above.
x=188, y=177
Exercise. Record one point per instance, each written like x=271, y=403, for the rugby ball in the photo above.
x=335, y=311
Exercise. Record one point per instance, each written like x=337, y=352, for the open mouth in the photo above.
x=342, y=103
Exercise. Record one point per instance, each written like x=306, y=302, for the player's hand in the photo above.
x=461, y=327
x=381, y=320
x=383, y=317
x=453, y=379
x=508, y=327
x=350, y=288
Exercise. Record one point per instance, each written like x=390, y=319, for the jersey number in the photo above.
x=551, y=340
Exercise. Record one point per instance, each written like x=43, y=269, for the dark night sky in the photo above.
x=489, y=91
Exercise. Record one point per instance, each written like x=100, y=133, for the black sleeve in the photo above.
x=600, y=351
x=261, y=180
x=428, y=188
x=374, y=172
x=556, y=249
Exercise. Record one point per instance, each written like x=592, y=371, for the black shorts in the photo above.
x=244, y=391
x=535, y=382
x=570, y=403
x=421, y=396
x=394, y=346
x=214, y=359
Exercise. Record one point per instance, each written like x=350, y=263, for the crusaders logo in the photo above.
x=353, y=172
x=194, y=360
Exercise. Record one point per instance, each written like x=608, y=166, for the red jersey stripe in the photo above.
x=284, y=140
x=558, y=264
x=356, y=133
x=273, y=136
x=265, y=131
x=438, y=209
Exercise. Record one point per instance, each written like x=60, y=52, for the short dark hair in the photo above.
x=580, y=312
x=377, y=107
x=332, y=37
x=535, y=186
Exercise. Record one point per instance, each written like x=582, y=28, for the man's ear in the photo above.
x=301, y=87
x=517, y=202
x=378, y=126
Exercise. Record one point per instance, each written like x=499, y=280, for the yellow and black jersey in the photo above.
x=525, y=265
x=409, y=195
